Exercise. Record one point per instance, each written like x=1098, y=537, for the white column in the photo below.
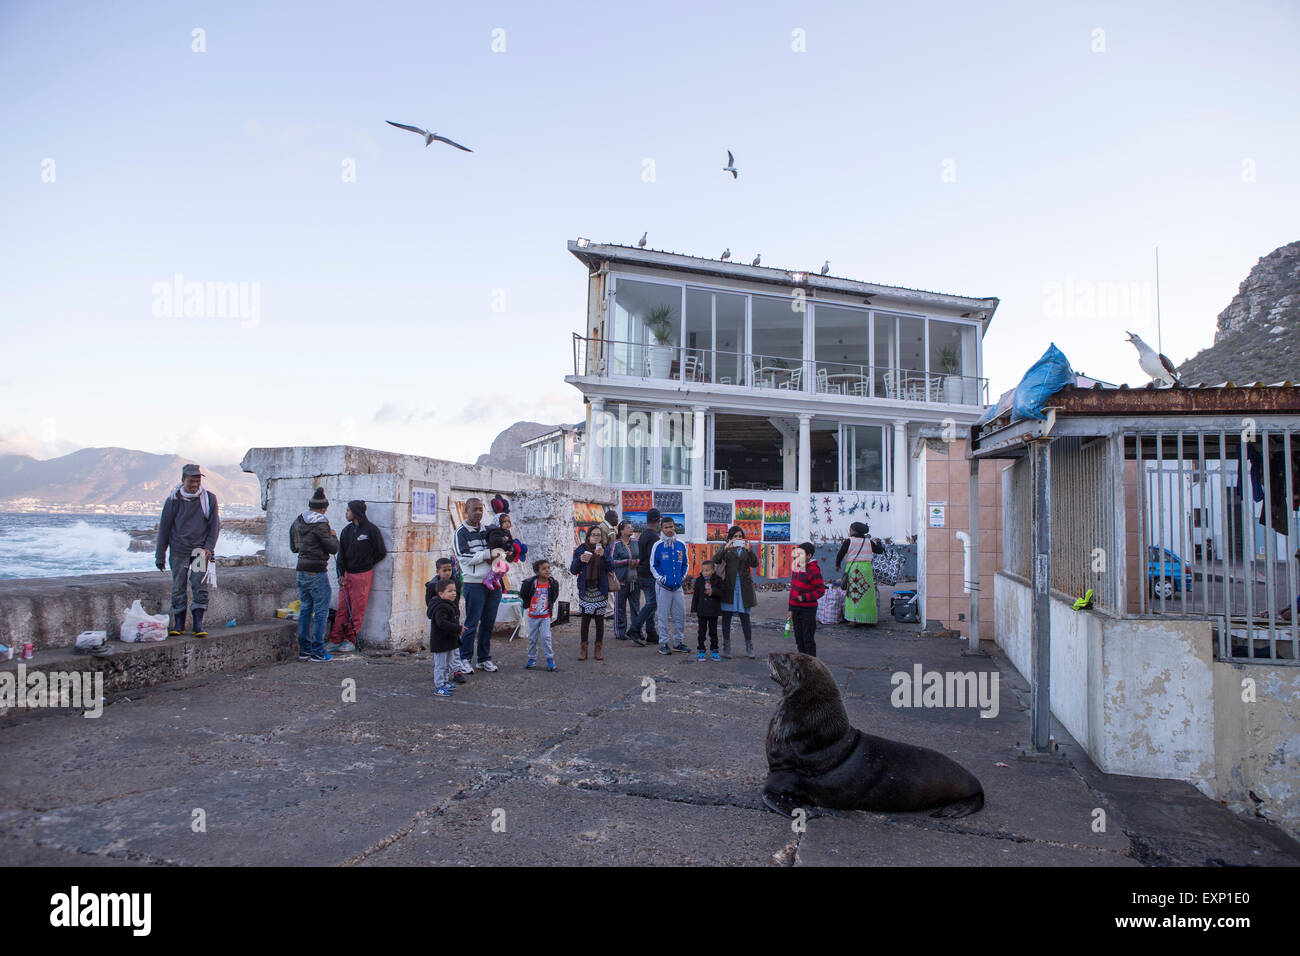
x=699, y=459
x=901, y=453
x=595, y=429
x=799, y=516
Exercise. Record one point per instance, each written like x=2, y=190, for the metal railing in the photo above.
x=603, y=358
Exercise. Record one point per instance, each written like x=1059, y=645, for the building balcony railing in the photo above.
x=604, y=358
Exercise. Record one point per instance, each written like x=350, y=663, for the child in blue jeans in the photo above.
x=537, y=595
x=444, y=633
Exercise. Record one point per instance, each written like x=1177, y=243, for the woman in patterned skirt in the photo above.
x=856, y=554
x=591, y=565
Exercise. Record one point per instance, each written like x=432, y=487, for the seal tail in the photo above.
x=962, y=808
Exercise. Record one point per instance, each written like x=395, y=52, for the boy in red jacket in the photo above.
x=806, y=587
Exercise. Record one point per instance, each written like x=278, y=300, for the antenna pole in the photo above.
x=1160, y=348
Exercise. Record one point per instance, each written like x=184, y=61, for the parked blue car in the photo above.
x=1176, y=576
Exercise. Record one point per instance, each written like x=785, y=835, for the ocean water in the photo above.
x=44, y=546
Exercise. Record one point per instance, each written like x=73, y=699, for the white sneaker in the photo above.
x=465, y=667
x=489, y=666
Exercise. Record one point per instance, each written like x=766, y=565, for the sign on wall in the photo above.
x=424, y=502
x=936, y=510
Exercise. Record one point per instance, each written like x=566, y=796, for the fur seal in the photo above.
x=815, y=756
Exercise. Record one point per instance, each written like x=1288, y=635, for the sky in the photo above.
x=420, y=300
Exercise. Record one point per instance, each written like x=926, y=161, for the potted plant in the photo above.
x=950, y=362
x=659, y=324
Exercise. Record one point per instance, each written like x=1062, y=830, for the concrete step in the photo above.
x=225, y=649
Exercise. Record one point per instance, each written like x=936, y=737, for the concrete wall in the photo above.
x=542, y=509
x=1146, y=698
x=51, y=612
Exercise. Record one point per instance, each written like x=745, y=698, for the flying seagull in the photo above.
x=429, y=137
x=726, y=253
x=826, y=267
x=1156, y=365
x=641, y=242
x=731, y=166
x=758, y=258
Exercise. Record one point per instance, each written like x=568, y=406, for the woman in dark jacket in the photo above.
x=591, y=564
x=624, y=555
x=736, y=562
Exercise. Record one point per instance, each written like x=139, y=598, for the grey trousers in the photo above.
x=672, y=615
x=180, y=571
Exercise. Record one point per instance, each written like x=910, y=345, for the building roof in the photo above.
x=577, y=429
x=594, y=254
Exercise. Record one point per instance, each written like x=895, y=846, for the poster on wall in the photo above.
x=637, y=518
x=753, y=529
x=717, y=512
x=424, y=503
x=777, y=512
x=715, y=532
x=637, y=501
x=748, y=509
x=668, y=502
x=586, y=515
x=776, y=531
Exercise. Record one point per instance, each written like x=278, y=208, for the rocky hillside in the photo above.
x=1258, y=336
x=114, y=480
x=505, y=451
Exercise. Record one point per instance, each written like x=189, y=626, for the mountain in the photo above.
x=505, y=451
x=114, y=480
x=1258, y=336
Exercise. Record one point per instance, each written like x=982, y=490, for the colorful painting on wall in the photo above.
x=753, y=529
x=637, y=501
x=778, y=512
x=637, y=518
x=586, y=515
x=748, y=509
x=776, y=531
x=715, y=532
x=717, y=512
x=774, y=560
x=668, y=502
x=830, y=515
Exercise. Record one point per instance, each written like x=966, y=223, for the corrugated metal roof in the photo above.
x=594, y=253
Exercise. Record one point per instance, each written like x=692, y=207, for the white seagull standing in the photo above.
x=726, y=253
x=641, y=242
x=826, y=267
x=429, y=137
x=731, y=166
x=757, y=259
x=1157, y=365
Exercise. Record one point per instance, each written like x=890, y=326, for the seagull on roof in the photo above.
x=731, y=166
x=726, y=253
x=429, y=137
x=641, y=242
x=1157, y=365
x=757, y=259
x=826, y=267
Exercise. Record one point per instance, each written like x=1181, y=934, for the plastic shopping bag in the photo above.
x=830, y=606
x=139, y=626
x=210, y=576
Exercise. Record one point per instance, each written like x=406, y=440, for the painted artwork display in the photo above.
x=776, y=531
x=715, y=532
x=777, y=512
x=668, y=502
x=696, y=555
x=637, y=518
x=637, y=501
x=830, y=515
x=753, y=529
x=774, y=560
x=586, y=515
x=748, y=509
x=717, y=512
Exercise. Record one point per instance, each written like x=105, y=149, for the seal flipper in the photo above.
x=961, y=808
x=782, y=803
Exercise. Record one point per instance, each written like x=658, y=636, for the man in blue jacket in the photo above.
x=668, y=565
x=188, y=529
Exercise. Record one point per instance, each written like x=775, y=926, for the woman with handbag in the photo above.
x=736, y=561
x=591, y=564
x=624, y=556
x=856, y=554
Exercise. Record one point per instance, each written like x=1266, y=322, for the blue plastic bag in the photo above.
x=1045, y=378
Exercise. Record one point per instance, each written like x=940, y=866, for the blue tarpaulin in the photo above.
x=1045, y=378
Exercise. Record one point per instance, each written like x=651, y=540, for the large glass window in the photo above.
x=777, y=342
x=714, y=340
x=646, y=328
x=624, y=437
x=863, y=448
x=677, y=447
x=841, y=350
x=952, y=361
x=900, y=357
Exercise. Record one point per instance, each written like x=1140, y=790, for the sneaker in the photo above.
x=665, y=649
x=327, y=656
x=715, y=656
x=304, y=655
x=466, y=667
x=550, y=663
x=681, y=646
x=346, y=647
x=532, y=662
x=458, y=677
x=699, y=656
x=635, y=636
x=444, y=691
x=488, y=666
x=637, y=640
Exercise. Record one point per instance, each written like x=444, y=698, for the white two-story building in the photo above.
x=723, y=392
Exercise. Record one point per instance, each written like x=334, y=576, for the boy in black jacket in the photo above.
x=445, y=570
x=706, y=603
x=444, y=633
x=537, y=596
x=361, y=547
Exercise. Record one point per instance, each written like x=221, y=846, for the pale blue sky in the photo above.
x=376, y=322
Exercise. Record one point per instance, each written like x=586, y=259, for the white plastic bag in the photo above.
x=139, y=626
x=91, y=638
x=210, y=575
